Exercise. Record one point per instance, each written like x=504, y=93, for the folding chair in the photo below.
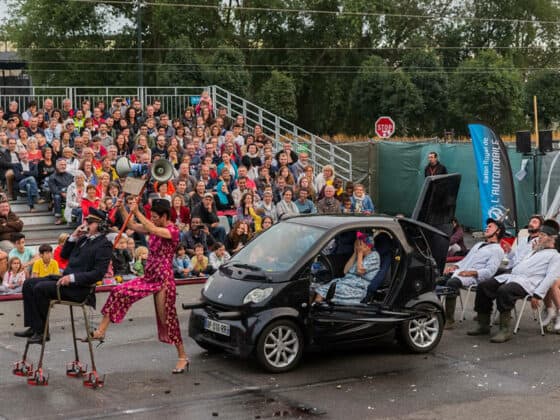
x=537, y=316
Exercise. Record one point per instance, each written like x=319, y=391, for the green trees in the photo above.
x=430, y=64
x=278, y=95
x=546, y=86
x=488, y=88
x=378, y=90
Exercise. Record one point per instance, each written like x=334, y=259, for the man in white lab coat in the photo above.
x=531, y=276
x=480, y=264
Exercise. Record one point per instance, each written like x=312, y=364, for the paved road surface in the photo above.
x=464, y=378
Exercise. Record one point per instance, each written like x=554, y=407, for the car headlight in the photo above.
x=208, y=283
x=257, y=295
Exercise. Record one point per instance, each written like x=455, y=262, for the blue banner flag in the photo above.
x=495, y=180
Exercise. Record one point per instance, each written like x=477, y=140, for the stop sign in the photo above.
x=384, y=127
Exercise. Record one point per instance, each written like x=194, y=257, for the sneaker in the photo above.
x=557, y=324
x=41, y=201
x=547, y=315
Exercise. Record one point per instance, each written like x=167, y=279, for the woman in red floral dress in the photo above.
x=158, y=280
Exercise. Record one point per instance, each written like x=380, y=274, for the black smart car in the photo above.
x=259, y=302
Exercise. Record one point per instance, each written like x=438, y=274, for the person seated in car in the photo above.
x=480, y=264
x=359, y=271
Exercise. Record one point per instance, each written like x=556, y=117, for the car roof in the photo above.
x=344, y=220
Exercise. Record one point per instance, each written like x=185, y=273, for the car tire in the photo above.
x=422, y=335
x=280, y=346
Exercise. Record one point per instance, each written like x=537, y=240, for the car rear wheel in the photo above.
x=280, y=346
x=422, y=334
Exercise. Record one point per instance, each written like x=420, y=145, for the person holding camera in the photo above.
x=197, y=234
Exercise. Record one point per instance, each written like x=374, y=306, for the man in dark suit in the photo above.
x=25, y=174
x=88, y=252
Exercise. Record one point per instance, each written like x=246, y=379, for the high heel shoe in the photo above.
x=182, y=370
x=95, y=336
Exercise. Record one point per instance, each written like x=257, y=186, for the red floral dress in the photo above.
x=159, y=281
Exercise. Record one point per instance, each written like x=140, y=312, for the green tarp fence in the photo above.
x=397, y=171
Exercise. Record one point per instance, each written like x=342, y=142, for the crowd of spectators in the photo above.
x=221, y=168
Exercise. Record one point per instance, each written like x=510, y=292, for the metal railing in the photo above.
x=321, y=151
x=175, y=99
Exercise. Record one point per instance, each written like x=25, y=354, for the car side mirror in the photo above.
x=330, y=293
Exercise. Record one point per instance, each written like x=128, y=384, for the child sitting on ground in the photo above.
x=140, y=257
x=62, y=263
x=13, y=278
x=45, y=265
x=182, y=266
x=218, y=256
x=199, y=262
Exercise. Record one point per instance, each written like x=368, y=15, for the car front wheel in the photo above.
x=280, y=346
x=423, y=334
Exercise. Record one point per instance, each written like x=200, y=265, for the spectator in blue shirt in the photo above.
x=304, y=204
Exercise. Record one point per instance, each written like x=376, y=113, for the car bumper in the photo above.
x=240, y=340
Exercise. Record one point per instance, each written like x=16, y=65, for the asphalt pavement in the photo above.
x=464, y=378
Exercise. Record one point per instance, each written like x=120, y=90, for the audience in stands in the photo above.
x=227, y=176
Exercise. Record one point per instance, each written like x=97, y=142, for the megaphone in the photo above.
x=161, y=170
x=125, y=167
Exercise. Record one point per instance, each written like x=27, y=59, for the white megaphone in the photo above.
x=161, y=170
x=125, y=167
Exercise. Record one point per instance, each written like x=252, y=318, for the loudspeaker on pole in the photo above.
x=523, y=141
x=545, y=141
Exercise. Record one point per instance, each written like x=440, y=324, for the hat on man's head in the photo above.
x=208, y=194
x=550, y=227
x=500, y=224
x=97, y=215
x=68, y=121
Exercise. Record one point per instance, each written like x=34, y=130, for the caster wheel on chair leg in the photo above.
x=38, y=379
x=22, y=368
x=94, y=381
x=76, y=369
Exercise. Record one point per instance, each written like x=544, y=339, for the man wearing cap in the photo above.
x=88, y=252
x=533, y=276
x=480, y=264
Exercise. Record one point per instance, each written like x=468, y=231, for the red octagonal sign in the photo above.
x=384, y=127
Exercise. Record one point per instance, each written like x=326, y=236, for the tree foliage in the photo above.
x=378, y=91
x=545, y=85
x=278, y=95
x=434, y=72
x=486, y=88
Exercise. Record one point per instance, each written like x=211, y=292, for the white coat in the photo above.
x=484, y=258
x=536, y=273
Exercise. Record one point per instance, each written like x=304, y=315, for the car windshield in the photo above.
x=278, y=248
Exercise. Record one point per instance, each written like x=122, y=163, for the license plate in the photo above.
x=217, y=327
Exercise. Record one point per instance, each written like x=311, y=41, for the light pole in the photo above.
x=139, y=43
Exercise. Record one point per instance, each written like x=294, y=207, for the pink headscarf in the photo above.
x=368, y=240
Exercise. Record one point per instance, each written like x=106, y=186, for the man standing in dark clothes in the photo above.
x=434, y=167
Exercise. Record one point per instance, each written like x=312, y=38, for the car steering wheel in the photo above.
x=328, y=267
